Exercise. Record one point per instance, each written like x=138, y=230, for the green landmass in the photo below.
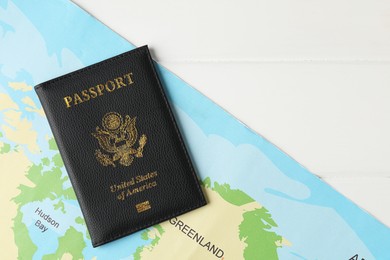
x=235, y=197
x=5, y=148
x=256, y=228
x=81, y=221
x=45, y=161
x=255, y=231
x=153, y=243
x=53, y=144
x=157, y=238
x=58, y=160
x=60, y=205
x=137, y=253
x=206, y=182
x=72, y=242
x=144, y=235
x=46, y=184
x=26, y=247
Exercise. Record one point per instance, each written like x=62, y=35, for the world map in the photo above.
x=261, y=203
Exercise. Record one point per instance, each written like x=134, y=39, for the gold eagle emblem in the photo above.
x=117, y=139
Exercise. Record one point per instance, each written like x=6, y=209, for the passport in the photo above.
x=121, y=146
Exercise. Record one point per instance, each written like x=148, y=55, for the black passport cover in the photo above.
x=120, y=145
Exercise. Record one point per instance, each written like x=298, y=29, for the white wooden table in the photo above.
x=313, y=77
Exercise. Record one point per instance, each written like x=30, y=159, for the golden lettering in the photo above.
x=93, y=92
x=129, y=79
x=100, y=88
x=67, y=100
x=77, y=99
x=145, y=177
x=112, y=84
x=119, y=82
x=137, y=184
x=85, y=95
